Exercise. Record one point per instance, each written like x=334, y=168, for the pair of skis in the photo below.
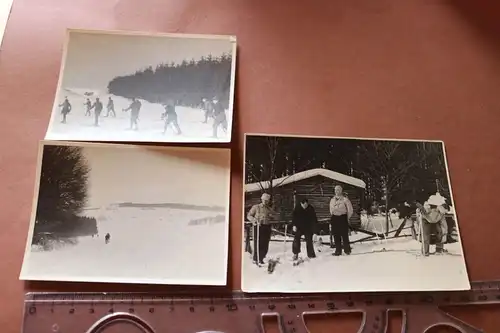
x=273, y=262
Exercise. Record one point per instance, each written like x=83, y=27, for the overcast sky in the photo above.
x=93, y=60
x=145, y=175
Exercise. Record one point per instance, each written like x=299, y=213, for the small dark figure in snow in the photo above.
x=97, y=106
x=219, y=115
x=110, y=107
x=88, y=104
x=170, y=117
x=304, y=222
x=134, y=108
x=107, y=238
x=66, y=108
x=208, y=108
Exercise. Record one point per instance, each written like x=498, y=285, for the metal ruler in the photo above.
x=239, y=313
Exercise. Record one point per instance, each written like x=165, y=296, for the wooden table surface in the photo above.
x=425, y=69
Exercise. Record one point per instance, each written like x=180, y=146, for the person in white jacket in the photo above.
x=341, y=211
x=434, y=228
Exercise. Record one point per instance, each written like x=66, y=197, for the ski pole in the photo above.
x=284, y=242
x=258, y=244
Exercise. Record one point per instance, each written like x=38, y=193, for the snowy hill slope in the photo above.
x=147, y=246
x=81, y=128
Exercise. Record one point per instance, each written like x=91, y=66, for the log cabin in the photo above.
x=317, y=185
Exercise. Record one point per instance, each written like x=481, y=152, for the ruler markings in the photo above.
x=227, y=310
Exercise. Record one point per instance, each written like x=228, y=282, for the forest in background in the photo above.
x=186, y=83
x=394, y=171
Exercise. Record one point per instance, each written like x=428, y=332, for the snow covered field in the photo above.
x=400, y=267
x=81, y=128
x=147, y=246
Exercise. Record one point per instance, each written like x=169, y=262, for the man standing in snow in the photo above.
x=434, y=228
x=304, y=222
x=134, y=108
x=170, y=117
x=97, y=106
x=260, y=215
x=340, y=211
x=66, y=108
x=219, y=115
x=88, y=104
x=111, y=107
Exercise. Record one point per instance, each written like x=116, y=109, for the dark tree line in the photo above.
x=63, y=193
x=394, y=171
x=186, y=83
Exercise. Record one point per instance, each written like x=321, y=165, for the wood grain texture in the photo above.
x=424, y=69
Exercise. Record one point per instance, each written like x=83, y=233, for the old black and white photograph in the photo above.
x=349, y=215
x=129, y=214
x=138, y=87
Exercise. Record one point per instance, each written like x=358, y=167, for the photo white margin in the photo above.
x=23, y=276
x=243, y=253
x=231, y=38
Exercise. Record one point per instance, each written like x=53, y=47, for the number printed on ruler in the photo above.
x=93, y=312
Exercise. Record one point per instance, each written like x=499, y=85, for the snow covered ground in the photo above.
x=147, y=246
x=79, y=127
x=401, y=267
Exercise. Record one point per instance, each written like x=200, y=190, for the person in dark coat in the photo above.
x=208, y=109
x=134, y=108
x=107, y=238
x=170, y=117
x=219, y=115
x=110, y=107
x=66, y=108
x=304, y=222
x=88, y=104
x=97, y=106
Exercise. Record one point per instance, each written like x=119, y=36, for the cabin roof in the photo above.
x=258, y=186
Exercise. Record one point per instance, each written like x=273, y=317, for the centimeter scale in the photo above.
x=237, y=313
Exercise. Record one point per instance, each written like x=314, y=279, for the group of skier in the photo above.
x=98, y=107
x=212, y=109
x=304, y=223
x=431, y=215
x=215, y=110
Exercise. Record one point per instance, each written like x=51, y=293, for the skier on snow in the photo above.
x=107, y=238
x=219, y=115
x=88, y=104
x=208, y=107
x=304, y=222
x=170, y=117
x=111, y=107
x=66, y=108
x=97, y=106
x=260, y=215
x=134, y=108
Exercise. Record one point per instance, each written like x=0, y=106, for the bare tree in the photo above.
x=273, y=164
x=390, y=164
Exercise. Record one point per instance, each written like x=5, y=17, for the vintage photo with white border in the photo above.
x=129, y=214
x=144, y=87
x=325, y=214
